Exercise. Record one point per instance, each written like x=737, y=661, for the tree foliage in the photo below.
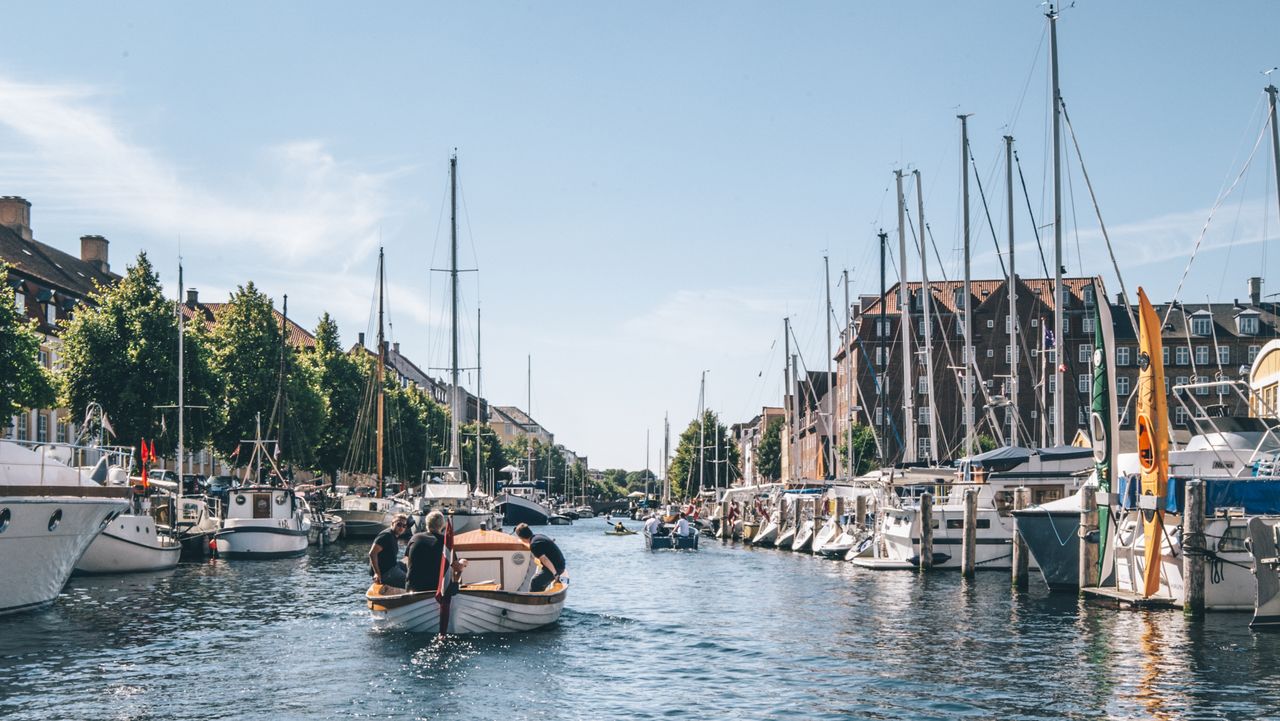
x=337, y=382
x=493, y=458
x=122, y=352
x=24, y=383
x=769, y=454
x=865, y=453
x=694, y=467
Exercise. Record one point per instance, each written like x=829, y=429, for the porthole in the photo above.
x=280, y=499
x=239, y=500
x=5, y=515
x=55, y=519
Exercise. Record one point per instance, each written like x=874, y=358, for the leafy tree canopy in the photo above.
x=694, y=467
x=24, y=383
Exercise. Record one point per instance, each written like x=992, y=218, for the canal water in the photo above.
x=723, y=633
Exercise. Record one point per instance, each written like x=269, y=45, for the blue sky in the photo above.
x=648, y=188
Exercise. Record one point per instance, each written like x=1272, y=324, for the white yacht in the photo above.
x=133, y=542
x=50, y=511
x=456, y=500
x=523, y=502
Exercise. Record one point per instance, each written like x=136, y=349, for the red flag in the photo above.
x=236, y=453
x=145, y=461
x=446, y=555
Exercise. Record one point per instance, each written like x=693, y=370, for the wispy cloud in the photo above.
x=303, y=203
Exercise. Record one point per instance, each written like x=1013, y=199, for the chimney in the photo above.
x=1255, y=290
x=395, y=347
x=93, y=250
x=193, y=297
x=360, y=339
x=15, y=214
x=1120, y=299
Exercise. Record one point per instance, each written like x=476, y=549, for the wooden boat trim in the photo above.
x=380, y=600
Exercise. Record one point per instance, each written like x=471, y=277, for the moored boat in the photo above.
x=670, y=541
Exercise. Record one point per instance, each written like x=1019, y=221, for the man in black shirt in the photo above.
x=385, y=552
x=547, y=553
x=425, y=552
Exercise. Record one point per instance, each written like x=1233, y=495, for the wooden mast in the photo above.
x=1059, y=340
x=455, y=408
x=1013, y=300
x=382, y=361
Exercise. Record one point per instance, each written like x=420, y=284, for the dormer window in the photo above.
x=20, y=301
x=1247, y=322
x=1088, y=295
x=1201, y=323
x=958, y=295
x=51, y=313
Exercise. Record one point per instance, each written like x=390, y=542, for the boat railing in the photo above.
x=68, y=458
x=1199, y=414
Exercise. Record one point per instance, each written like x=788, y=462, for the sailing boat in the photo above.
x=450, y=493
x=364, y=516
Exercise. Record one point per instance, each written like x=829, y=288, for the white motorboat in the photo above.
x=326, y=528
x=263, y=522
x=50, y=511
x=134, y=542
x=469, y=512
x=584, y=512
x=493, y=595
x=767, y=533
x=804, y=536
x=196, y=525
x=367, y=516
x=1264, y=544
x=832, y=540
x=523, y=503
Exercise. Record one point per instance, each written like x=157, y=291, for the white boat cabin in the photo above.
x=495, y=558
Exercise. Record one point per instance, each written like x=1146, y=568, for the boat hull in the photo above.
x=517, y=510
x=1053, y=539
x=1264, y=542
x=671, y=542
x=472, y=611
x=363, y=524
x=38, y=561
x=129, y=544
x=261, y=542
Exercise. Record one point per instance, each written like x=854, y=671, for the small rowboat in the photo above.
x=620, y=533
x=671, y=540
x=493, y=594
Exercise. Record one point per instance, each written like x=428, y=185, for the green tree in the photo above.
x=985, y=443
x=338, y=384
x=261, y=374
x=493, y=458
x=769, y=454
x=122, y=352
x=687, y=475
x=24, y=383
x=865, y=452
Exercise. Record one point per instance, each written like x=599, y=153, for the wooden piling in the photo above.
x=969, y=545
x=860, y=511
x=1021, y=499
x=926, y=530
x=840, y=512
x=1088, y=568
x=1193, y=548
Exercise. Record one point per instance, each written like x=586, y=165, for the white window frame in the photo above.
x=1122, y=355
x=1202, y=355
x=1182, y=356
x=1084, y=381
x=1085, y=353
x=1224, y=355
x=1122, y=386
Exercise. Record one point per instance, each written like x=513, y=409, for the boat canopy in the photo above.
x=1256, y=496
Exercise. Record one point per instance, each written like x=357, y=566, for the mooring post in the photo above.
x=860, y=512
x=1193, y=549
x=926, y=530
x=969, y=546
x=1021, y=499
x=840, y=513
x=1088, y=569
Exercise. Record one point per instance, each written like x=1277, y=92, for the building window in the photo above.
x=959, y=298
x=1124, y=416
x=1224, y=355
x=1200, y=325
x=1164, y=354
x=42, y=428
x=1008, y=355
x=1180, y=416
x=1122, y=356
x=1035, y=322
x=880, y=354
x=991, y=352
x=42, y=357
x=991, y=323
x=1081, y=415
x=1203, y=390
x=1008, y=324
x=51, y=313
x=1181, y=381
x=1051, y=355
x=923, y=445
x=925, y=412
x=1053, y=384
x=62, y=432
x=922, y=384
x=1086, y=353
x=879, y=416
x=1181, y=355
x=1083, y=382
x=1122, y=386
x=882, y=328
x=1253, y=352
x=24, y=427
x=20, y=301
x=1248, y=324
x=1202, y=355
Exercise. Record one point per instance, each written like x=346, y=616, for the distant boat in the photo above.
x=263, y=521
x=671, y=541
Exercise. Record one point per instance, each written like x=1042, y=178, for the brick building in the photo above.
x=748, y=436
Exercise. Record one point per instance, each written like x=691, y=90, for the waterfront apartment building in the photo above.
x=748, y=436
x=49, y=287
x=510, y=422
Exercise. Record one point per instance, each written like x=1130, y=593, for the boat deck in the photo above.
x=1129, y=599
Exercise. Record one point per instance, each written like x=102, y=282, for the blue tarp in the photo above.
x=1255, y=496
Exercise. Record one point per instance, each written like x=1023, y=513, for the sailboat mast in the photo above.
x=702, y=429
x=1275, y=137
x=1013, y=300
x=926, y=300
x=904, y=312
x=882, y=357
x=850, y=466
x=455, y=408
x=1059, y=340
x=479, y=410
x=666, y=452
x=831, y=384
x=788, y=472
x=968, y=295
x=181, y=378
x=382, y=362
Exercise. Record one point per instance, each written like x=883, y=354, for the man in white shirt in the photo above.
x=682, y=526
x=652, y=525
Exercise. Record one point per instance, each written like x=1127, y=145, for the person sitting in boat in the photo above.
x=384, y=554
x=423, y=556
x=653, y=526
x=546, y=553
x=682, y=526
x=619, y=528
